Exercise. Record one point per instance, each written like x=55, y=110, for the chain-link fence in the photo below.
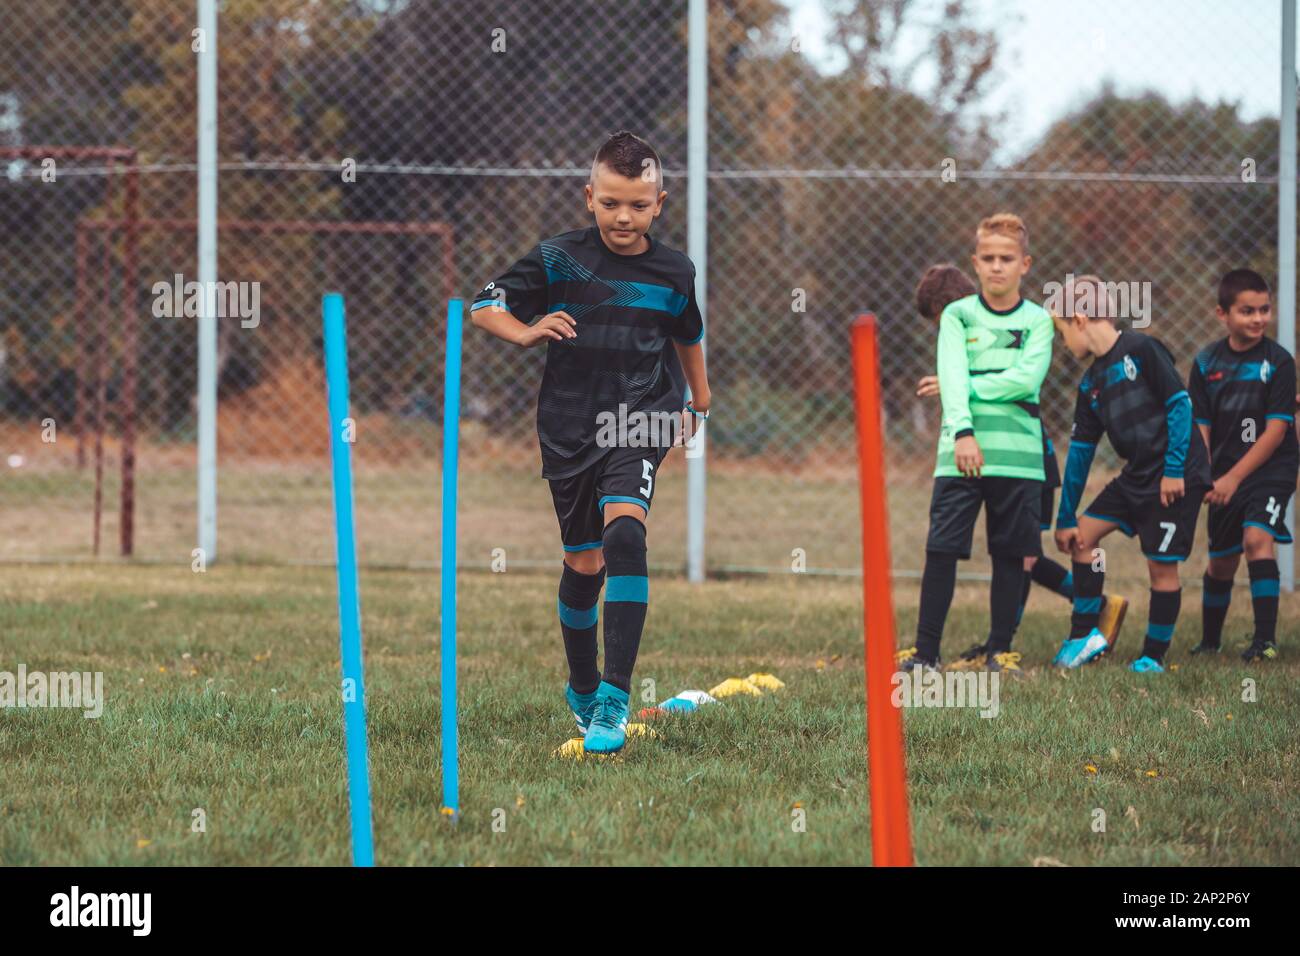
x=405, y=153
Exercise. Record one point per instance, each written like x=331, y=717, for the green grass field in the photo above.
x=222, y=695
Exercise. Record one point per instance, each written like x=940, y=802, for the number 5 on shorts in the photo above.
x=647, y=472
x=1169, y=527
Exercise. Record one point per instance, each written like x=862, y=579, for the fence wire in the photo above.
x=404, y=153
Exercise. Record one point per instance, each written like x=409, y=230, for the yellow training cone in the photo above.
x=733, y=686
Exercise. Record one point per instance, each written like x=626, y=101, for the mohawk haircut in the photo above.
x=627, y=154
x=1238, y=281
x=942, y=284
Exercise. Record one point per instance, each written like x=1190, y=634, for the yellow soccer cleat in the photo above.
x=1112, y=618
x=1004, y=661
x=971, y=659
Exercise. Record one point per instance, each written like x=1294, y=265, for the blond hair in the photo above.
x=1004, y=224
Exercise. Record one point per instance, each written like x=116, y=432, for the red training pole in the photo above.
x=891, y=836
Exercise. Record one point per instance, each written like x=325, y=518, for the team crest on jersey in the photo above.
x=1130, y=370
x=1264, y=370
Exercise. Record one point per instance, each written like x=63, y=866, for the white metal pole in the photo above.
x=207, y=254
x=1286, y=235
x=697, y=165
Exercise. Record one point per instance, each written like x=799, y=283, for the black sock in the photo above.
x=1160, y=623
x=1024, y=599
x=937, y=583
x=577, y=606
x=1216, y=595
x=1088, y=585
x=1264, y=585
x=626, y=596
x=1004, y=601
x=1053, y=576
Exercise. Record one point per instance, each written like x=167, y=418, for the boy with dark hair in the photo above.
x=940, y=285
x=994, y=351
x=1132, y=393
x=1242, y=390
x=611, y=299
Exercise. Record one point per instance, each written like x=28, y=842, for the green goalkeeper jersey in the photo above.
x=991, y=366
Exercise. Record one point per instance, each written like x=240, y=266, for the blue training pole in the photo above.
x=354, y=698
x=450, y=468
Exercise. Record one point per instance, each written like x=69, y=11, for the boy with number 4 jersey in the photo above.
x=1242, y=390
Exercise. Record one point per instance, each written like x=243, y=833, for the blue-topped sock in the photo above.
x=626, y=595
x=1265, y=583
x=579, y=595
x=1055, y=577
x=1088, y=585
x=1160, y=623
x=1216, y=596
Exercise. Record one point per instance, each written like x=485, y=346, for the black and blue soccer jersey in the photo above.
x=626, y=309
x=1135, y=397
x=1236, y=394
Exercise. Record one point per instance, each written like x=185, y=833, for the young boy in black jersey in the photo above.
x=611, y=300
x=1242, y=390
x=1132, y=394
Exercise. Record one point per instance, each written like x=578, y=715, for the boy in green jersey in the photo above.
x=993, y=354
x=941, y=285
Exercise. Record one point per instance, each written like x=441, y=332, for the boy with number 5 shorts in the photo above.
x=1132, y=394
x=611, y=300
x=1242, y=388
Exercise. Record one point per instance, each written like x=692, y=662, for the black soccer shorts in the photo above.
x=1010, y=515
x=1165, y=534
x=1263, y=506
x=621, y=475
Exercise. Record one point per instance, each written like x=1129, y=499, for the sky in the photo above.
x=1056, y=54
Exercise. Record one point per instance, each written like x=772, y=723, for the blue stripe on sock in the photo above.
x=577, y=619
x=1087, y=605
x=1210, y=599
x=628, y=587
x=1264, y=587
x=1163, y=633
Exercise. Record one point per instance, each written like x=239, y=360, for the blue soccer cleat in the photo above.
x=1147, y=665
x=1077, y=651
x=607, y=730
x=1068, y=648
x=582, y=706
x=1083, y=650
